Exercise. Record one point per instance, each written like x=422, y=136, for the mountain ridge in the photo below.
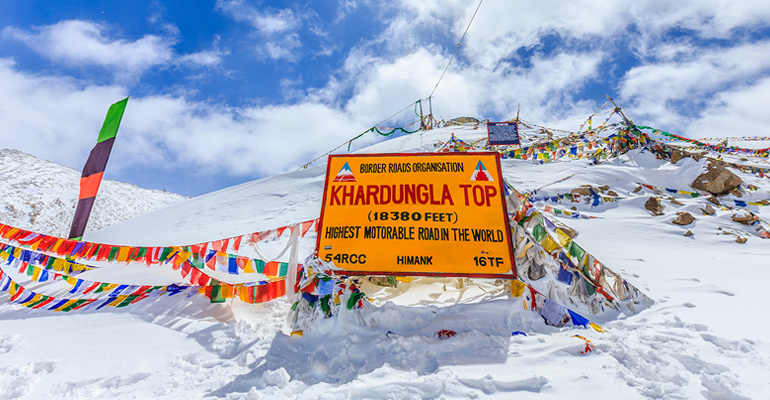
x=40, y=195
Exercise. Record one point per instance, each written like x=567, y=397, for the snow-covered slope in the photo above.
x=41, y=196
x=704, y=338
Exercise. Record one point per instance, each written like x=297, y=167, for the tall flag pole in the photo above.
x=93, y=171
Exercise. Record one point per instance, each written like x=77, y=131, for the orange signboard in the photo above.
x=416, y=214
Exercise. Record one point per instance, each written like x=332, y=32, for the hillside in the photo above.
x=41, y=196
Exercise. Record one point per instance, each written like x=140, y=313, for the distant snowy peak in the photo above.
x=41, y=196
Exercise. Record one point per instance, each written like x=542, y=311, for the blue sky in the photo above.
x=227, y=91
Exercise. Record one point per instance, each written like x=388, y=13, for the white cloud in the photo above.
x=276, y=29
x=738, y=112
x=85, y=43
x=663, y=91
x=58, y=119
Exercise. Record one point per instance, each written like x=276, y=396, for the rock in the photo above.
x=708, y=210
x=604, y=188
x=697, y=157
x=573, y=208
x=654, y=206
x=677, y=202
x=684, y=218
x=746, y=219
x=741, y=239
x=612, y=193
x=638, y=189
x=736, y=193
x=717, y=180
x=583, y=191
x=688, y=233
x=678, y=155
x=714, y=201
x=536, y=271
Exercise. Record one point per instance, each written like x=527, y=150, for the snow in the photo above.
x=704, y=337
x=41, y=196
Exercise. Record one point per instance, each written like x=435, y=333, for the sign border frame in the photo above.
x=511, y=252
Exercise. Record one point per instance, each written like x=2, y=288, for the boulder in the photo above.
x=678, y=155
x=688, y=233
x=684, y=218
x=654, y=205
x=708, y=210
x=717, y=180
x=740, y=239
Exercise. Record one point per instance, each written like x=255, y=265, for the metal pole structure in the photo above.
x=422, y=119
x=620, y=111
x=430, y=107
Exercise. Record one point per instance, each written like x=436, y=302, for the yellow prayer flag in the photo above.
x=181, y=257
x=65, y=305
x=524, y=250
x=249, y=267
x=58, y=264
x=36, y=274
x=405, y=279
x=596, y=327
x=549, y=244
x=11, y=232
x=517, y=288
x=123, y=254
x=563, y=238
x=37, y=297
x=226, y=291
x=117, y=300
x=110, y=287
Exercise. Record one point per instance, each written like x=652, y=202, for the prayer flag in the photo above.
x=93, y=171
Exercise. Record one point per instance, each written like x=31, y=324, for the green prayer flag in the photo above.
x=538, y=232
x=590, y=288
x=325, y=304
x=260, y=266
x=113, y=253
x=216, y=295
x=112, y=120
x=73, y=305
x=354, y=297
x=127, y=301
x=576, y=251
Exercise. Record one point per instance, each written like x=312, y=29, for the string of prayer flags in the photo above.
x=711, y=147
x=211, y=254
